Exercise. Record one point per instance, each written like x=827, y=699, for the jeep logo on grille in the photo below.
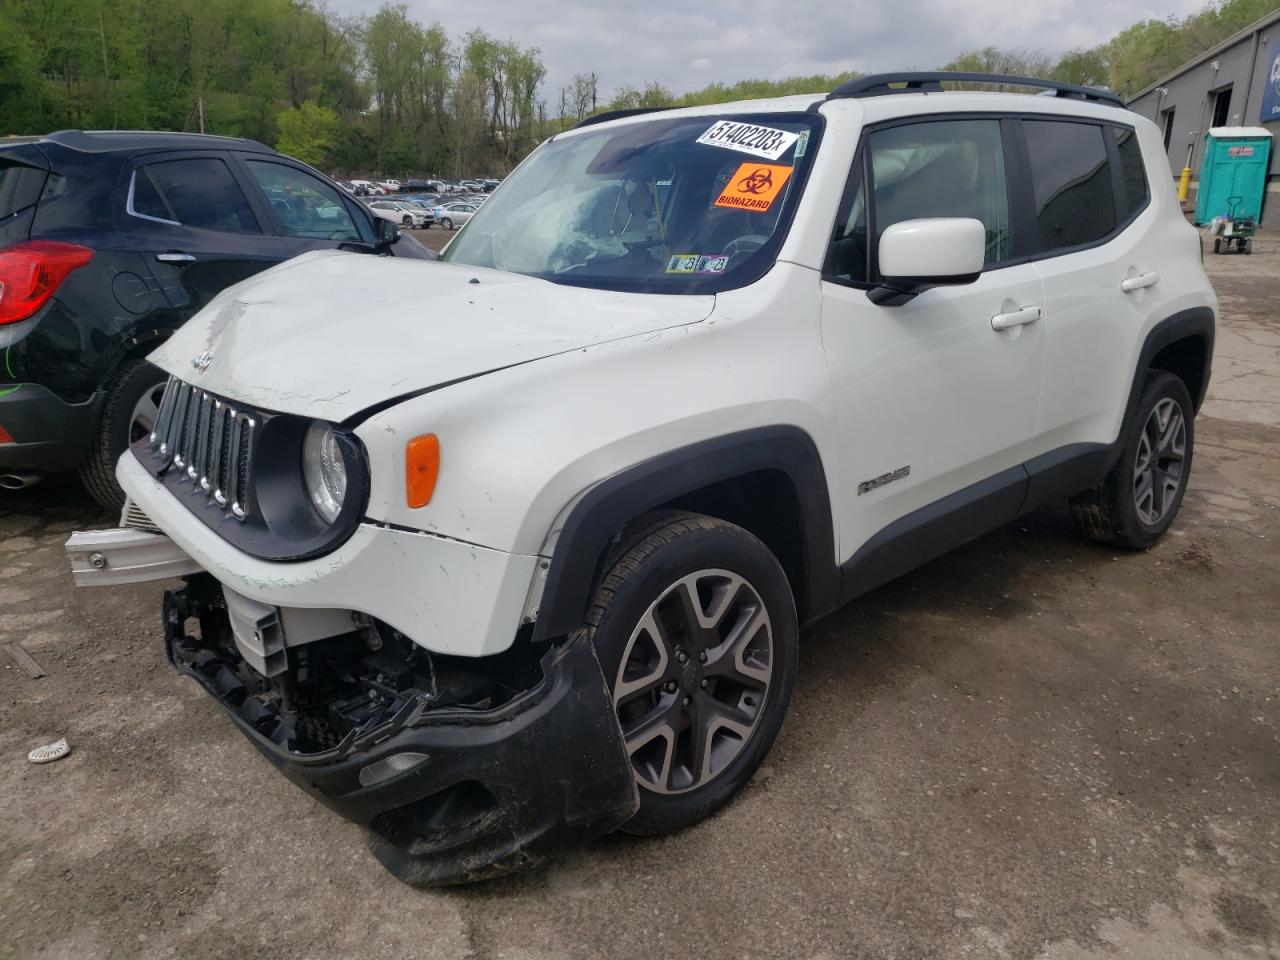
x=202, y=362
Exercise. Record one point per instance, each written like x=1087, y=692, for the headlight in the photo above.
x=323, y=470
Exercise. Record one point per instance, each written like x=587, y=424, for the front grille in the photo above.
x=208, y=441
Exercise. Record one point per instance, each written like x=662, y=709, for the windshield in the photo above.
x=688, y=205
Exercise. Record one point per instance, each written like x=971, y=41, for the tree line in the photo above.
x=382, y=94
x=386, y=95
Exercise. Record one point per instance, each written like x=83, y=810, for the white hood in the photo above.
x=328, y=334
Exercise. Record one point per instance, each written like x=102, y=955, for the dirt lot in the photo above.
x=1032, y=747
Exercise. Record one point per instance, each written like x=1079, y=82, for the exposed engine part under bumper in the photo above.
x=452, y=788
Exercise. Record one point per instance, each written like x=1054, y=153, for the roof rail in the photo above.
x=615, y=115
x=880, y=84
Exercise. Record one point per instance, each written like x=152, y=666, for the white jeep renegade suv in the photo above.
x=515, y=547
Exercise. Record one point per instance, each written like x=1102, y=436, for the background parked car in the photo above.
x=111, y=241
x=452, y=215
x=367, y=188
x=404, y=214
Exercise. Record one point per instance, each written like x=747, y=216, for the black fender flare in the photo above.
x=1194, y=323
x=1198, y=323
x=595, y=522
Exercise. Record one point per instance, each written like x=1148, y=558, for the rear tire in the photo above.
x=696, y=631
x=1137, y=501
x=128, y=414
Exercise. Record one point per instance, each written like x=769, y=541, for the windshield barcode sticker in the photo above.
x=747, y=138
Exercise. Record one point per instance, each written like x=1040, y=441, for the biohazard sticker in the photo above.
x=684, y=263
x=754, y=187
x=764, y=142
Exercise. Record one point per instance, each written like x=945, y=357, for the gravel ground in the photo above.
x=1031, y=748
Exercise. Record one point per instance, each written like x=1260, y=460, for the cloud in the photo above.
x=686, y=46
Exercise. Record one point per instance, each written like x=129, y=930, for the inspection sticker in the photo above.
x=754, y=187
x=764, y=142
x=713, y=264
x=684, y=263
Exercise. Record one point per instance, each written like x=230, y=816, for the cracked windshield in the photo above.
x=688, y=205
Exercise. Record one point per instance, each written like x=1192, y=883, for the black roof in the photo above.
x=133, y=141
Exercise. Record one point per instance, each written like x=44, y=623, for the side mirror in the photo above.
x=918, y=254
x=387, y=233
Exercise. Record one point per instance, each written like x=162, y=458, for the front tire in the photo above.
x=130, y=411
x=696, y=631
x=447, y=223
x=1134, y=504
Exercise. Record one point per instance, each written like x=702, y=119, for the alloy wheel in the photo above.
x=693, y=680
x=145, y=412
x=1159, y=466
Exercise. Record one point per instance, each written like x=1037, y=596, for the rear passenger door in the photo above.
x=191, y=220
x=1088, y=198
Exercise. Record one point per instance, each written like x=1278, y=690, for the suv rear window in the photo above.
x=199, y=192
x=1071, y=179
x=20, y=186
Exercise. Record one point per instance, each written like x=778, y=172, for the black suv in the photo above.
x=108, y=243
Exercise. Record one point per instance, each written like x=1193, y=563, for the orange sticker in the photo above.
x=754, y=187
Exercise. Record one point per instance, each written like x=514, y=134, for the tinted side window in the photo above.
x=1135, y=174
x=1072, y=182
x=305, y=206
x=944, y=168
x=195, y=193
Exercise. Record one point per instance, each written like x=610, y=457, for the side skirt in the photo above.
x=967, y=514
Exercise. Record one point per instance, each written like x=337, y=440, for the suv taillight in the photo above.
x=31, y=272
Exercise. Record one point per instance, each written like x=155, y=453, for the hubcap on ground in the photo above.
x=1159, y=466
x=693, y=680
x=145, y=412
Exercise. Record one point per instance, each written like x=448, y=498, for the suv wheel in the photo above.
x=1135, y=503
x=696, y=631
x=129, y=413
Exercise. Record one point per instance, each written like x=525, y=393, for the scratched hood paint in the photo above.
x=329, y=334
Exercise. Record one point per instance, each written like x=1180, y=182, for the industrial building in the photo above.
x=1234, y=84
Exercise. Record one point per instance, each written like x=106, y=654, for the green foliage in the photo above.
x=387, y=95
x=1134, y=58
x=367, y=95
x=309, y=132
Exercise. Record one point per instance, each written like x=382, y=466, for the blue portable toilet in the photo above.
x=1234, y=165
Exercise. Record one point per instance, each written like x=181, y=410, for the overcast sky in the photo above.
x=685, y=45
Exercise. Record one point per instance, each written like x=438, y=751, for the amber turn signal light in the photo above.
x=421, y=467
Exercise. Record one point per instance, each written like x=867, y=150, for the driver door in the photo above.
x=936, y=409
x=309, y=213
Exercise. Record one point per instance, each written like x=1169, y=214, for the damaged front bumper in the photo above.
x=461, y=770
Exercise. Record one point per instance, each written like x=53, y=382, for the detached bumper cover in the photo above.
x=498, y=789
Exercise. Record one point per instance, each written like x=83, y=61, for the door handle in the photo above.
x=175, y=257
x=1018, y=318
x=1130, y=284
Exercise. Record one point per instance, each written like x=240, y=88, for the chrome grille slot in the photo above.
x=208, y=442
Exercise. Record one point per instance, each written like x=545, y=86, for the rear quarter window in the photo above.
x=20, y=186
x=1132, y=170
